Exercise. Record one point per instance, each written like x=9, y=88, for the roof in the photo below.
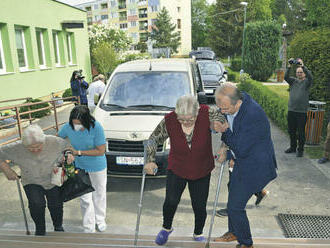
x=156, y=65
x=69, y=5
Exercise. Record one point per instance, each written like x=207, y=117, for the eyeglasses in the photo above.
x=186, y=120
x=299, y=72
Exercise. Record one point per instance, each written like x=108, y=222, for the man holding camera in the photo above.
x=298, y=104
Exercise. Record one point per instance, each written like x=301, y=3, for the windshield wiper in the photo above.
x=150, y=106
x=113, y=105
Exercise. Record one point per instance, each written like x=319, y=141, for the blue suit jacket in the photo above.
x=255, y=163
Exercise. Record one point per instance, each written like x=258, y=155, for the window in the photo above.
x=132, y=1
x=69, y=47
x=96, y=18
x=179, y=9
x=104, y=6
x=41, y=48
x=123, y=25
x=89, y=20
x=96, y=6
x=154, y=8
x=132, y=12
x=56, y=48
x=89, y=8
x=2, y=58
x=113, y=3
x=133, y=24
x=21, y=49
x=179, y=23
x=104, y=17
x=134, y=36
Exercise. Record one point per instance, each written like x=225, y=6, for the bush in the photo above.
x=236, y=64
x=105, y=58
x=38, y=114
x=313, y=46
x=261, y=46
x=67, y=93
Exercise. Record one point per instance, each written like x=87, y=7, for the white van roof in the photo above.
x=155, y=65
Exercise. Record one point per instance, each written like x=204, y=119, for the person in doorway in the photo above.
x=95, y=91
x=87, y=138
x=248, y=137
x=190, y=160
x=37, y=155
x=79, y=86
x=299, y=87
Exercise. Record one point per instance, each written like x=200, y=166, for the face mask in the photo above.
x=77, y=127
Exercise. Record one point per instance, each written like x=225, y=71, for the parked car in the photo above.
x=213, y=74
x=202, y=54
x=137, y=96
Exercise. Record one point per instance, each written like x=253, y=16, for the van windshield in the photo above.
x=142, y=89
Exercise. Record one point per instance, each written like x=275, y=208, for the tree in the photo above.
x=318, y=12
x=259, y=10
x=163, y=33
x=262, y=42
x=199, y=23
x=105, y=58
x=99, y=33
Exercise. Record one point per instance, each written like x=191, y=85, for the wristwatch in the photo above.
x=79, y=153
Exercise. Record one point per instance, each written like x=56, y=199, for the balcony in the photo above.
x=143, y=15
x=142, y=3
x=122, y=6
x=122, y=18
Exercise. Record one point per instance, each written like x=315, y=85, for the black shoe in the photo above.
x=40, y=233
x=260, y=196
x=290, y=150
x=222, y=212
x=300, y=154
x=59, y=229
x=323, y=160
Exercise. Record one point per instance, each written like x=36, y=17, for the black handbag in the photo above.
x=76, y=186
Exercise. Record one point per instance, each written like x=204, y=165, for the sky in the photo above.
x=75, y=2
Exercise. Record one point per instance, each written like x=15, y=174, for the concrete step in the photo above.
x=13, y=239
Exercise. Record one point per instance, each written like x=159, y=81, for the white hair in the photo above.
x=33, y=134
x=230, y=90
x=187, y=105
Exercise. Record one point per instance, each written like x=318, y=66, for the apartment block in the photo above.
x=137, y=17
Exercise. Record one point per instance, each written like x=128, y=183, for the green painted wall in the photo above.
x=41, y=14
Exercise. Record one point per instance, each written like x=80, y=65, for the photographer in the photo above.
x=298, y=104
x=79, y=86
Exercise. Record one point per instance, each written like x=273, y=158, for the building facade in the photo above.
x=41, y=43
x=138, y=16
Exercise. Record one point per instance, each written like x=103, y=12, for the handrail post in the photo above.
x=30, y=116
x=18, y=122
x=55, y=115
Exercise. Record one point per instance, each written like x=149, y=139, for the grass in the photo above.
x=313, y=151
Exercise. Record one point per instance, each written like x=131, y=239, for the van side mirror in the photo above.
x=202, y=98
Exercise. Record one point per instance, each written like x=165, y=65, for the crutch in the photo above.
x=207, y=245
x=22, y=205
x=145, y=142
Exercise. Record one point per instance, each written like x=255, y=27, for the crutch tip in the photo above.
x=28, y=233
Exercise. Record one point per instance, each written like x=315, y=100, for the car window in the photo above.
x=210, y=68
x=147, y=88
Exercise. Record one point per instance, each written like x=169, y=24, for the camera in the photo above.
x=79, y=75
x=294, y=62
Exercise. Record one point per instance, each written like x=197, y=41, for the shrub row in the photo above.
x=38, y=114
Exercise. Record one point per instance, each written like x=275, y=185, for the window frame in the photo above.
x=26, y=67
x=2, y=57
x=56, y=49
x=69, y=48
x=41, y=38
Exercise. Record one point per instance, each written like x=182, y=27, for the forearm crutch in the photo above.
x=22, y=206
x=145, y=142
x=207, y=245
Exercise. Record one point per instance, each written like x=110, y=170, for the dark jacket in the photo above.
x=195, y=162
x=79, y=89
x=255, y=163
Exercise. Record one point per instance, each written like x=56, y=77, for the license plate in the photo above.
x=130, y=160
x=208, y=91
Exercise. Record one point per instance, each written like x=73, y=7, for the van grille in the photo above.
x=128, y=146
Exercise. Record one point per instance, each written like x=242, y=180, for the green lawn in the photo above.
x=312, y=151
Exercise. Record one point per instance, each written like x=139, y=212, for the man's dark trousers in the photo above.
x=238, y=197
x=296, y=123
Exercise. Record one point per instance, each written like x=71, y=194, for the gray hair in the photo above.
x=230, y=90
x=187, y=105
x=33, y=134
x=101, y=77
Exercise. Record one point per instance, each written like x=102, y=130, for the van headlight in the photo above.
x=167, y=145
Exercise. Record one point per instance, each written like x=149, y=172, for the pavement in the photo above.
x=302, y=187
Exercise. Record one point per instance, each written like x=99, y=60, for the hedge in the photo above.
x=38, y=114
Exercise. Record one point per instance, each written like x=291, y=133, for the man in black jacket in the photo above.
x=298, y=104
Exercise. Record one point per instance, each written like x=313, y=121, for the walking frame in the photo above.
x=22, y=206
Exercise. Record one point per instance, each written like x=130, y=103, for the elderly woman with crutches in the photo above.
x=190, y=160
x=37, y=154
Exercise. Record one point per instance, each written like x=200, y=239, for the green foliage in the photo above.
x=38, y=114
x=163, y=33
x=105, y=58
x=313, y=46
x=199, y=23
x=67, y=93
x=236, y=64
x=99, y=33
x=142, y=46
x=318, y=13
x=262, y=42
x=259, y=10
x=135, y=56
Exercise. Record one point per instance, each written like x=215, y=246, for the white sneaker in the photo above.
x=101, y=227
x=89, y=230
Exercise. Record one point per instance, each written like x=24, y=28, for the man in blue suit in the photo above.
x=247, y=135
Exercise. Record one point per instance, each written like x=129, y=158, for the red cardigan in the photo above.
x=195, y=162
